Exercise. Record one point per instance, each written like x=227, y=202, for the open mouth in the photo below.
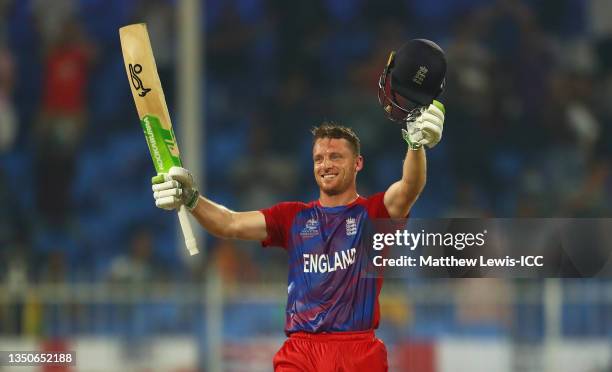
x=329, y=176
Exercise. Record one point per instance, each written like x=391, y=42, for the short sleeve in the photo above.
x=279, y=219
x=376, y=206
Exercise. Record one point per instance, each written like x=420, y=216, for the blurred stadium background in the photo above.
x=89, y=264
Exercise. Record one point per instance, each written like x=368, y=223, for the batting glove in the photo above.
x=426, y=129
x=175, y=188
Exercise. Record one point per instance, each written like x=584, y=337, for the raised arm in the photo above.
x=177, y=187
x=426, y=130
x=401, y=195
x=225, y=223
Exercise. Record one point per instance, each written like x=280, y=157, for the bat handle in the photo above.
x=190, y=241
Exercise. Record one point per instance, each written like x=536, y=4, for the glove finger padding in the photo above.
x=435, y=110
x=168, y=185
x=428, y=117
x=166, y=193
x=168, y=202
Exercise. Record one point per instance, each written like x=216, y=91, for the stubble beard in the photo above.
x=343, y=186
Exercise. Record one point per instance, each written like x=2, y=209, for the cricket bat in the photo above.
x=152, y=109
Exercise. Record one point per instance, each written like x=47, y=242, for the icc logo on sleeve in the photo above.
x=311, y=229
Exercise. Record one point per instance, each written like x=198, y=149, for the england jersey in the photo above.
x=327, y=288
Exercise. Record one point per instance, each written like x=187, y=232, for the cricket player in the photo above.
x=332, y=311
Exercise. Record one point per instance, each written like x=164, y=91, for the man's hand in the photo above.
x=426, y=129
x=175, y=188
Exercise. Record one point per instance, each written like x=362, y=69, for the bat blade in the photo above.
x=149, y=96
x=152, y=110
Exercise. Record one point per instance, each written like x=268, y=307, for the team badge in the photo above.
x=420, y=75
x=351, y=226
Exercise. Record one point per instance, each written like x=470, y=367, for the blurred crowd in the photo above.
x=527, y=132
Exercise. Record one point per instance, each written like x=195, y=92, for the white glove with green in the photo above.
x=175, y=188
x=426, y=129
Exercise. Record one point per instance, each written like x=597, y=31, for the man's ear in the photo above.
x=359, y=163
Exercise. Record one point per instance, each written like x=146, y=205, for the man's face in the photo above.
x=335, y=165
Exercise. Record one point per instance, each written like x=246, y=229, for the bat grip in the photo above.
x=190, y=241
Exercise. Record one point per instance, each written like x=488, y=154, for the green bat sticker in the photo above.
x=162, y=144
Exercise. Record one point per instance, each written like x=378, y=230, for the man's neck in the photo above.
x=345, y=198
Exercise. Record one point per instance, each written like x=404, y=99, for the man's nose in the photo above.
x=326, y=163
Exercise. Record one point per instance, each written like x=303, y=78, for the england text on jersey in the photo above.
x=323, y=263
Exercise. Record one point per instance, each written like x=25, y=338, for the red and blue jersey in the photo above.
x=327, y=288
